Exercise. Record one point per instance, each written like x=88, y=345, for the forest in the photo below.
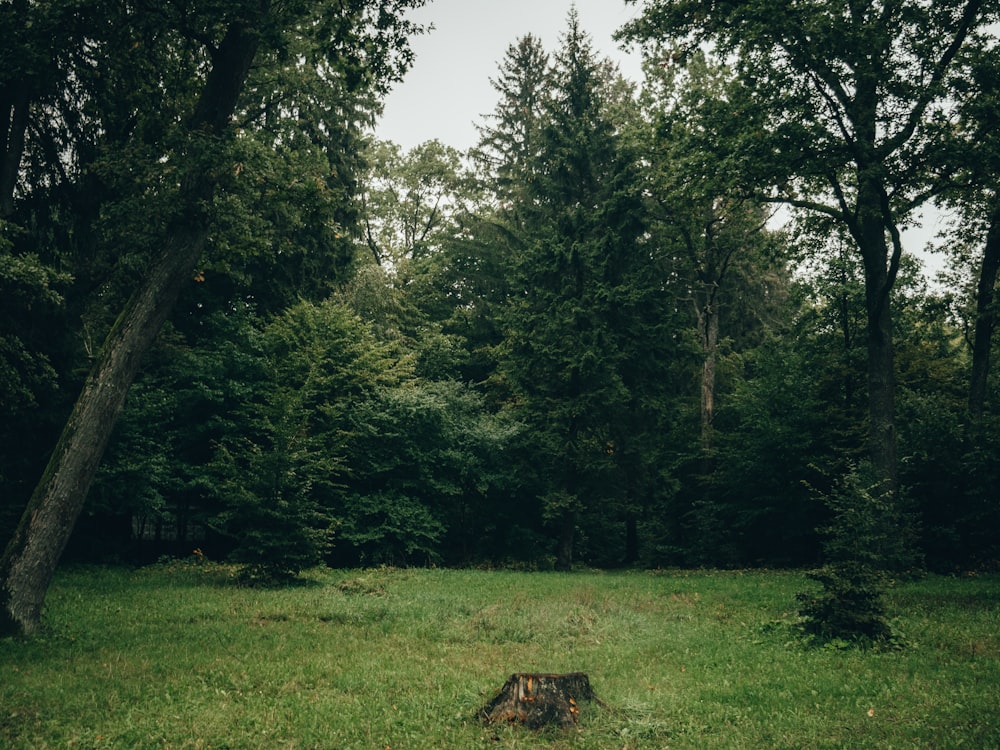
x=672, y=322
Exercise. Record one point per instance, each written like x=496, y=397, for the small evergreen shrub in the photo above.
x=849, y=609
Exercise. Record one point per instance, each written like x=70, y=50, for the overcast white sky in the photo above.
x=448, y=88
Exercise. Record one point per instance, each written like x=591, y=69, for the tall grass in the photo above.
x=177, y=656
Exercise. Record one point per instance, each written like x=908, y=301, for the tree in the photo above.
x=359, y=45
x=281, y=479
x=836, y=119
x=796, y=408
x=31, y=301
x=37, y=42
x=468, y=283
x=34, y=38
x=31, y=556
x=428, y=464
x=410, y=200
x=970, y=156
x=414, y=205
x=574, y=311
x=714, y=234
x=851, y=609
x=508, y=145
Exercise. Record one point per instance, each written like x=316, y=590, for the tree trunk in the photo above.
x=567, y=535
x=537, y=700
x=880, y=276
x=31, y=557
x=631, y=540
x=882, y=393
x=708, y=324
x=13, y=124
x=986, y=319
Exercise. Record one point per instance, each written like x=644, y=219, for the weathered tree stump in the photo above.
x=536, y=700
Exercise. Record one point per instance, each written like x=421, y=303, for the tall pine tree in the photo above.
x=508, y=144
x=573, y=318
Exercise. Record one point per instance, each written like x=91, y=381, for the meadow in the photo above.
x=179, y=656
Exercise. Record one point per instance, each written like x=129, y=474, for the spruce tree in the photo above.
x=508, y=144
x=573, y=318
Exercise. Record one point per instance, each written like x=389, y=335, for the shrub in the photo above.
x=392, y=529
x=850, y=609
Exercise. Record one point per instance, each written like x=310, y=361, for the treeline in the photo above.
x=590, y=340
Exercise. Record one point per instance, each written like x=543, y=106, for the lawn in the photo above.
x=177, y=656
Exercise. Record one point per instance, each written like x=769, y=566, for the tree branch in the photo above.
x=928, y=91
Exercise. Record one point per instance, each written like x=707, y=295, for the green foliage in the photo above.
x=861, y=544
x=978, y=514
x=848, y=133
x=577, y=324
x=429, y=462
x=410, y=202
x=392, y=529
x=850, y=609
x=274, y=512
x=524, y=376
x=157, y=471
x=32, y=368
x=142, y=480
x=151, y=134
x=754, y=504
x=31, y=295
x=509, y=141
x=281, y=477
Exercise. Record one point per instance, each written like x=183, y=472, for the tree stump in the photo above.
x=536, y=700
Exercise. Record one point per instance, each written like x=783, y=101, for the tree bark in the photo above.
x=567, y=536
x=14, y=103
x=708, y=325
x=986, y=319
x=30, y=559
x=536, y=700
x=881, y=387
x=880, y=267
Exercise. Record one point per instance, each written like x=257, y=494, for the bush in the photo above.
x=849, y=609
x=392, y=529
x=859, y=546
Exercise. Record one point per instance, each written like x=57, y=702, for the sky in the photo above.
x=448, y=90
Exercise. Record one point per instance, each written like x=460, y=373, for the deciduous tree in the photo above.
x=206, y=54
x=713, y=234
x=836, y=119
x=970, y=156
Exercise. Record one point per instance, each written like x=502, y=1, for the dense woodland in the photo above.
x=651, y=323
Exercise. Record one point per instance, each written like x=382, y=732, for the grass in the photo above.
x=176, y=656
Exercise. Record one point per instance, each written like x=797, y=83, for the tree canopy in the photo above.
x=189, y=94
x=836, y=113
x=234, y=321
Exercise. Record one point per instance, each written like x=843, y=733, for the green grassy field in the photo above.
x=175, y=656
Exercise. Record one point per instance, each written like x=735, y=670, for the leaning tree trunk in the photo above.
x=31, y=557
x=537, y=700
